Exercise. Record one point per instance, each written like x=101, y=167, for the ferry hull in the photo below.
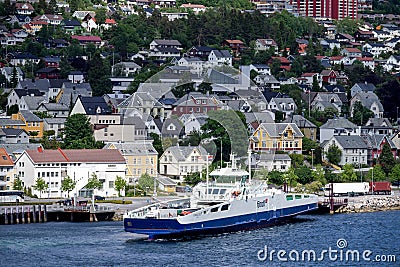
x=171, y=228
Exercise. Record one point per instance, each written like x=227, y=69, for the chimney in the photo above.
x=40, y=149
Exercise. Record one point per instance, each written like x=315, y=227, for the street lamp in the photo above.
x=312, y=158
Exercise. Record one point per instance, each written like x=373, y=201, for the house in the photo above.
x=277, y=137
x=51, y=19
x=375, y=49
x=285, y=64
x=79, y=164
x=36, y=25
x=337, y=126
x=266, y=44
x=193, y=122
x=308, y=128
x=89, y=23
x=8, y=73
x=351, y=52
x=171, y=16
x=19, y=19
x=236, y=46
x=323, y=100
x=166, y=184
x=369, y=100
x=179, y=161
x=196, y=9
x=261, y=68
x=48, y=73
x=88, y=39
x=271, y=162
x=364, y=36
x=24, y=9
x=140, y=156
x=144, y=103
x=162, y=43
x=30, y=102
x=344, y=38
x=392, y=64
x=362, y=87
x=286, y=105
x=220, y=57
x=196, y=102
x=32, y=123
x=6, y=173
x=13, y=136
x=125, y=69
x=52, y=61
x=267, y=81
x=368, y=62
x=375, y=143
x=171, y=128
x=108, y=24
x=56, y=110
x=56, y=124
x=329, y=76
x=70, y=91
x=309, y=77
x=15, y=96
x=21, y=59
x=20, y=35
x=71, y=26
x=353, y=147
x=377, y=126
x=81, y=14
x=199, y=51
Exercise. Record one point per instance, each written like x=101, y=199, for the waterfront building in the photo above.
x=79, y=164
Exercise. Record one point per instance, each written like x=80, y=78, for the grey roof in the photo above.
x=272, y=157
x=351, y=141
x=13, y=132
x=338, y=123
x=40, y=84
x=33, y=102
x=167, y=132
x=19, y=148
x=379, y=122
x=140, y=99
x=300, y=121
x=23, y=92
x=29, y=116
x=128, y=64
x=165, y=180
x=55, y=106
x=366, y=87
x=8, y=122
x=134, y=148
x=259, y=117
x=181, y=153
x=375, y=140
x=367, y=99
x=135, y=120
x=74, y=90
x=167, y=42
x=277, y=129
x=9, y=70
x=57, y=120
x=57, y=83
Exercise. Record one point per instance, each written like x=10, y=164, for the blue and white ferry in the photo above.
x=230, y=202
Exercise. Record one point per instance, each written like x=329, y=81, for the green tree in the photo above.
x=40, y=185
x=376, y=173
x=146, y=182
x=308, y=144
x=290, y=177
x=94, y=182
x=348, y=25
x=297, y=160
x=17, y=185
x=67, y=184
x=193, y=178
x=275, y=177
x=120, y=184
x=98, y=75
x=394, y=175
x=348, y=174
x=304, y=174
x=334, y=154
x=386, y=159
x=78, y=132
x=361, y=114
x=319, y=174
x=14, y=78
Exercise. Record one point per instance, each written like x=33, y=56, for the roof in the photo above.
x=76, y=155
x=277, y=129
x=366, y=86
x=55, y=106
x=368, y=99
x=140, y=148
x=23, y=92
x=338, y=123
x=351, y=141
x=91, y=104
x=85, y=38
x=40, y=84
x=300, y=121
x=167, y=42
x=29, y=116
x=375, y=140
x=379, y=122
x=165, y=180
x=13, y=132
x=19, y=148
x=222, y=53
x=181, y=153
x=5, y=159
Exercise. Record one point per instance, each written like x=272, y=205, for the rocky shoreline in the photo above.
x=371, y=204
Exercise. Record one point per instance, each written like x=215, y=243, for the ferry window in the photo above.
x=209, y=191
x=214, y=209
x=225, y=207
x=298, y=196
x=289, y=197
x=215, y=191
x=223, y=191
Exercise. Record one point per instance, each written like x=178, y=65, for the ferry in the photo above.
x=227, y=202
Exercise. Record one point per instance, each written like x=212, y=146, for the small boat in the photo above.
x=230, y=202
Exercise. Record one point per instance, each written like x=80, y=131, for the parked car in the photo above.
x=99, y=198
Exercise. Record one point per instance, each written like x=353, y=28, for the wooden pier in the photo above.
x=331, y=205
x=53, y=213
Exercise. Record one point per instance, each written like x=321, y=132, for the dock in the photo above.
x=53, y=213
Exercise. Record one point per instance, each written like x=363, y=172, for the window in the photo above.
x=111, y=184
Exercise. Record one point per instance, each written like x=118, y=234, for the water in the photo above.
x=106, y=243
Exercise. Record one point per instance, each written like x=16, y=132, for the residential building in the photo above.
x=6, y=170
x=271, y=162
x=220, y=57
x=308, y=128
x=332, y=9
x=337, y=126
x=32, y=123
x=353, y=147
x=362, y=87
x=370, y=101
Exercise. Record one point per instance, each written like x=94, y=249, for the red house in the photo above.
x=235, y=45
x=329, y=76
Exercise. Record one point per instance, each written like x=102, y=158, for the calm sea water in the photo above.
x=106, y=244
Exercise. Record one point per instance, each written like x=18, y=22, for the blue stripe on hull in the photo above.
x=168, y=228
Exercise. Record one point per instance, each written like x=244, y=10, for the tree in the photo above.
x=386, y=159
x=319, y=174
x=315, y=84
x=40, y=185
x=193, y=178
x=348, y=174
x=304, y=174
x=394, y=175
x=376, y=173
x=94, y=182
x=98, y=75
x=67, y=184
x=334, y=154
x=361, y=114
x=275, y=177
x=14, y=78
x=146, y=182
x=78, y=132
x=290, y=177
x=120, y=184
x=17, y=185
x=308, y=144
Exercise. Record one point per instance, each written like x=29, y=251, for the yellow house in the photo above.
x=140, y=156
x=33, y=125
x=277, y=137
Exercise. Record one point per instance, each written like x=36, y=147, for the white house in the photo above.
x=220, y=57
x=354, y=149
x=78, y=164
x=337, y=126
x=179, y=161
